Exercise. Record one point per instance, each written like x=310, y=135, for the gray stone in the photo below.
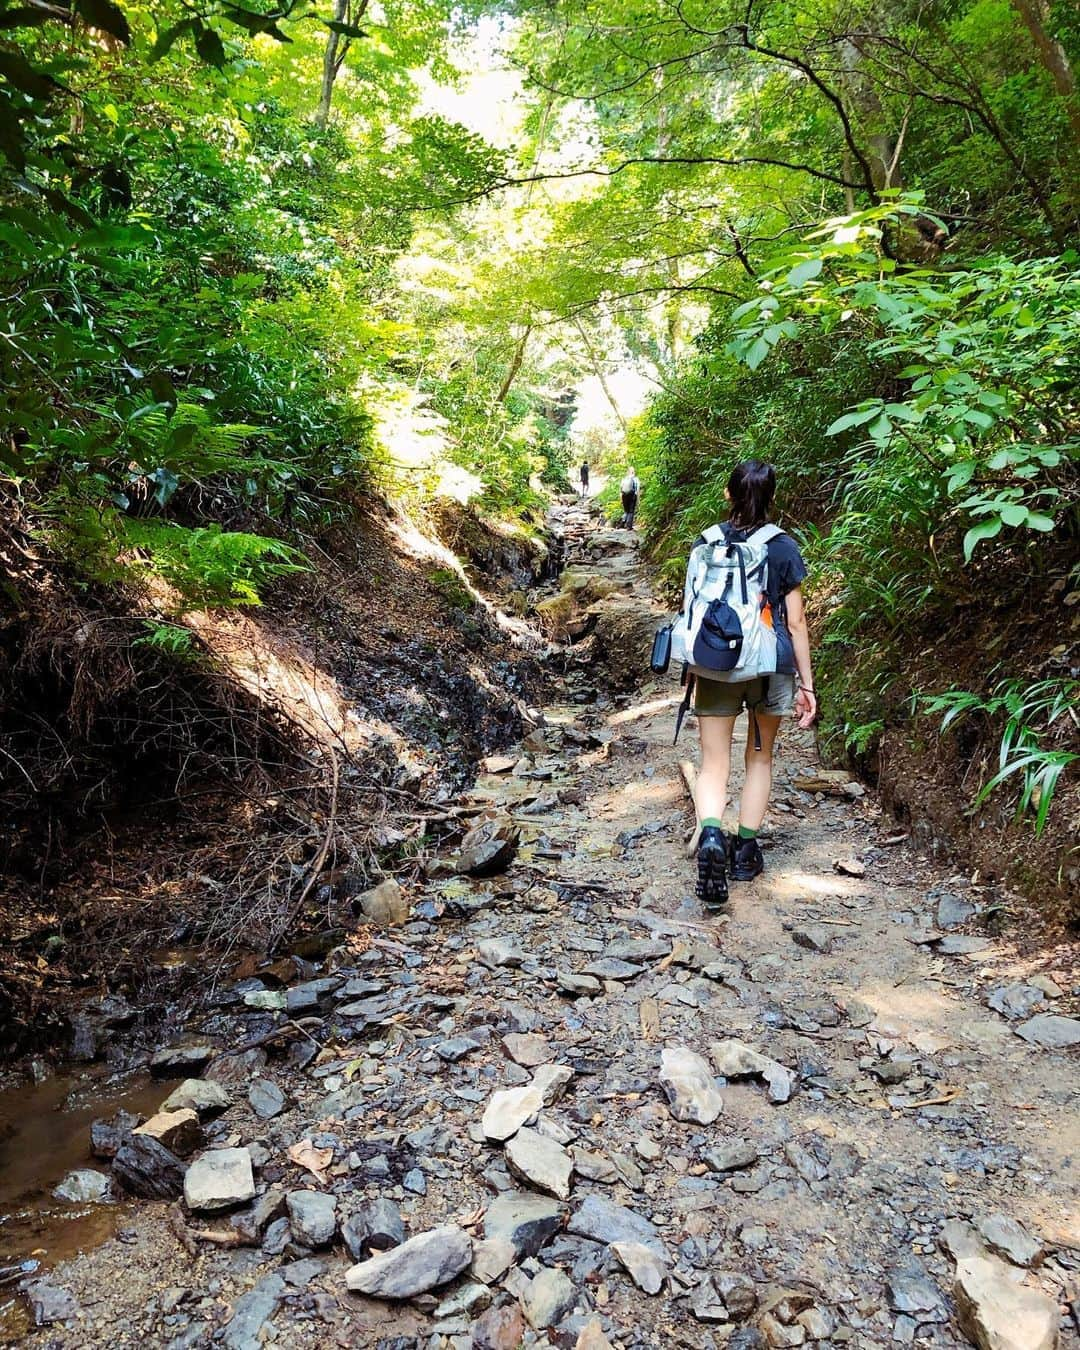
x=577, y=985
x=638, y=949
x=1015, y=1001
x=911, y=1290
x=813, y=937
x=526, y=1221
x=424, y=1262
x=496, y=952
x=385, y=904
x=733, y=1059
x=106, y=1135
x=266, y=1000
x=1051, y=1031
x=470, y=1298
x=510, y=1108
x=251, y=1312
x=198, y=1095
x=1007, y=1238
x=179, y=1131
x=610, y=968
x=220, y=1179
x=642, y=1264
x=689, y=1086
x=415, y=1181
x=49, y=1303
x=604, y=1221
x=176, y=1059
x=266, y=1098
x=737, y=1290
x=962, y=944
x=252, y=1222
x=706, y=1304
x=83, y=1186
x=997, y=1314
x=300, y=1273
x=312, y=1217
x=732, y=1156
x=541, y=1162
x=529, y=1051
x=146, y=1168
x=375, y=1226
x=548, y=1298
x=302, y=998
x=960, y=1240
x=952, y=911
x=455, y=1048
x=492, y=1258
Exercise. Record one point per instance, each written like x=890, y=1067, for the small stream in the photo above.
x=44, y=1134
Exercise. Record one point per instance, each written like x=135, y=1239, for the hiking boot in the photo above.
x=745, y=860
x=712, y=857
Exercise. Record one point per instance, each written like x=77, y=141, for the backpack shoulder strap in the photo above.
x=764, y=533
x=713, y=535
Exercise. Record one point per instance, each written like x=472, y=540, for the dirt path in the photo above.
x=825, y=1205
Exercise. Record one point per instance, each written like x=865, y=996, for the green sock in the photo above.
x=714, y=821
x=746, y=833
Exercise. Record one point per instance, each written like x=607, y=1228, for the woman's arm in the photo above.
x=805, y=699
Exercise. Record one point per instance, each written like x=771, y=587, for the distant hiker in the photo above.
x=585, y=479
x=629, y=488
x=743, y=638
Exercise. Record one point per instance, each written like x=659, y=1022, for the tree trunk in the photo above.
x=515, y=365
x=1052, y=55
x=331, y=66
x=599, y=369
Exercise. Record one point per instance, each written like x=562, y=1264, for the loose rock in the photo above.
x=733, y=1059
x=424, y=1262
x=199, y=1095
x=220, y=1179
x=510, y=1108
x=148, y=1169
x=1007, y=1238
x=526, y=1221
x=1051, y=1031
x=541, y=1162
x=604, y=1221
x=312, y=1217
x=385, y=904
x=642, y=1264
x=997, y=1314
x=549, y=1297
x=266, y=1098
x=688, y=1083
x=84, y=1186
x=179, y=1131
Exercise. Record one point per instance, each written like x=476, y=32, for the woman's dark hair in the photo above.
x=752, y=487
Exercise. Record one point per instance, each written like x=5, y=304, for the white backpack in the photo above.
x=725, y=630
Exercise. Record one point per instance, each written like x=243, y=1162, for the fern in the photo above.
x=210, y=565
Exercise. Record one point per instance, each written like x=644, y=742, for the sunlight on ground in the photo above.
x=642, y=710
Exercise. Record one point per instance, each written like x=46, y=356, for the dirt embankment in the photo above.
x=158, y=805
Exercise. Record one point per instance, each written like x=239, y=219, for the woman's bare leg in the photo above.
x=758, y=783
x=712, y=785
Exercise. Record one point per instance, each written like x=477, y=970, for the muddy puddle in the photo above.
x=44, y=1134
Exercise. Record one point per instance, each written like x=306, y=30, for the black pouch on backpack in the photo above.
x=661, y=651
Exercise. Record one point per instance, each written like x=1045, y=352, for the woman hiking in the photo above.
x=767, y=698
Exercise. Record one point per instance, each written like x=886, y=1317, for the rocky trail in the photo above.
x=542, y=1100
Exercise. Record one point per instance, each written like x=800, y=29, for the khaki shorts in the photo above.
x=773, y=695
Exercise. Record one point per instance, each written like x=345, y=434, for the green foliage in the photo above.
x=451, y=587
x=1033, y=715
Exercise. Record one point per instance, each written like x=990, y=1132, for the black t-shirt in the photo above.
x=786, y=571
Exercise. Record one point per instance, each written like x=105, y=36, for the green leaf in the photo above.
x=759, y=350
x=1037, y=521
x=210, y=47
x=1014, y=515
x=168, y=37
x=18, y=71
x=881, y=428
x=106, y=16
x=851, y=419
x=978, y=418
x=985, y=529
x=803, y=272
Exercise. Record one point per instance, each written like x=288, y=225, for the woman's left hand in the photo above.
x=806, y=708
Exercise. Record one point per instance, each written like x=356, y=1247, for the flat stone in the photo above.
x=813, y=937
x=548, y=1298
x=175, y=1059
x=1007, y=1238
x=526, y=1221
x=492, y=1258
x=734, y=1059
x=732, y=1156
x=689, y=1085
x=952, y=911
x=385, y=904
x=375, y=1226
x=424, y=1262
x=499, y=1329
x=604, y=1221
x=179, y=1131
x=577, y=985
x=638, y=949
x=220, y=1179
x=199, y=1095
x=962, y=944
x=266, y=1098
x=306, y=997
x=540, y=1161
x=488, y=848
x=1051, y=1031
x=911, y=1290
x=266, y=1000
x=50, y=1303
x=312, y=1217
x=497, y=952
x=706, y=1305
x=611, y=968
x=251, y=1312
x=591, y=1337
x=455, y=1048
x=997, y=1314
x=737, y=1290
x=528, y=1050
x=510, y=1108
x=960, y=1240
x=1049, y=987
x=300, y=1273
x=469, y=1297
x=83, y=1186
x=1015, y=1001
x=148, y=1169
x=642, y=1264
